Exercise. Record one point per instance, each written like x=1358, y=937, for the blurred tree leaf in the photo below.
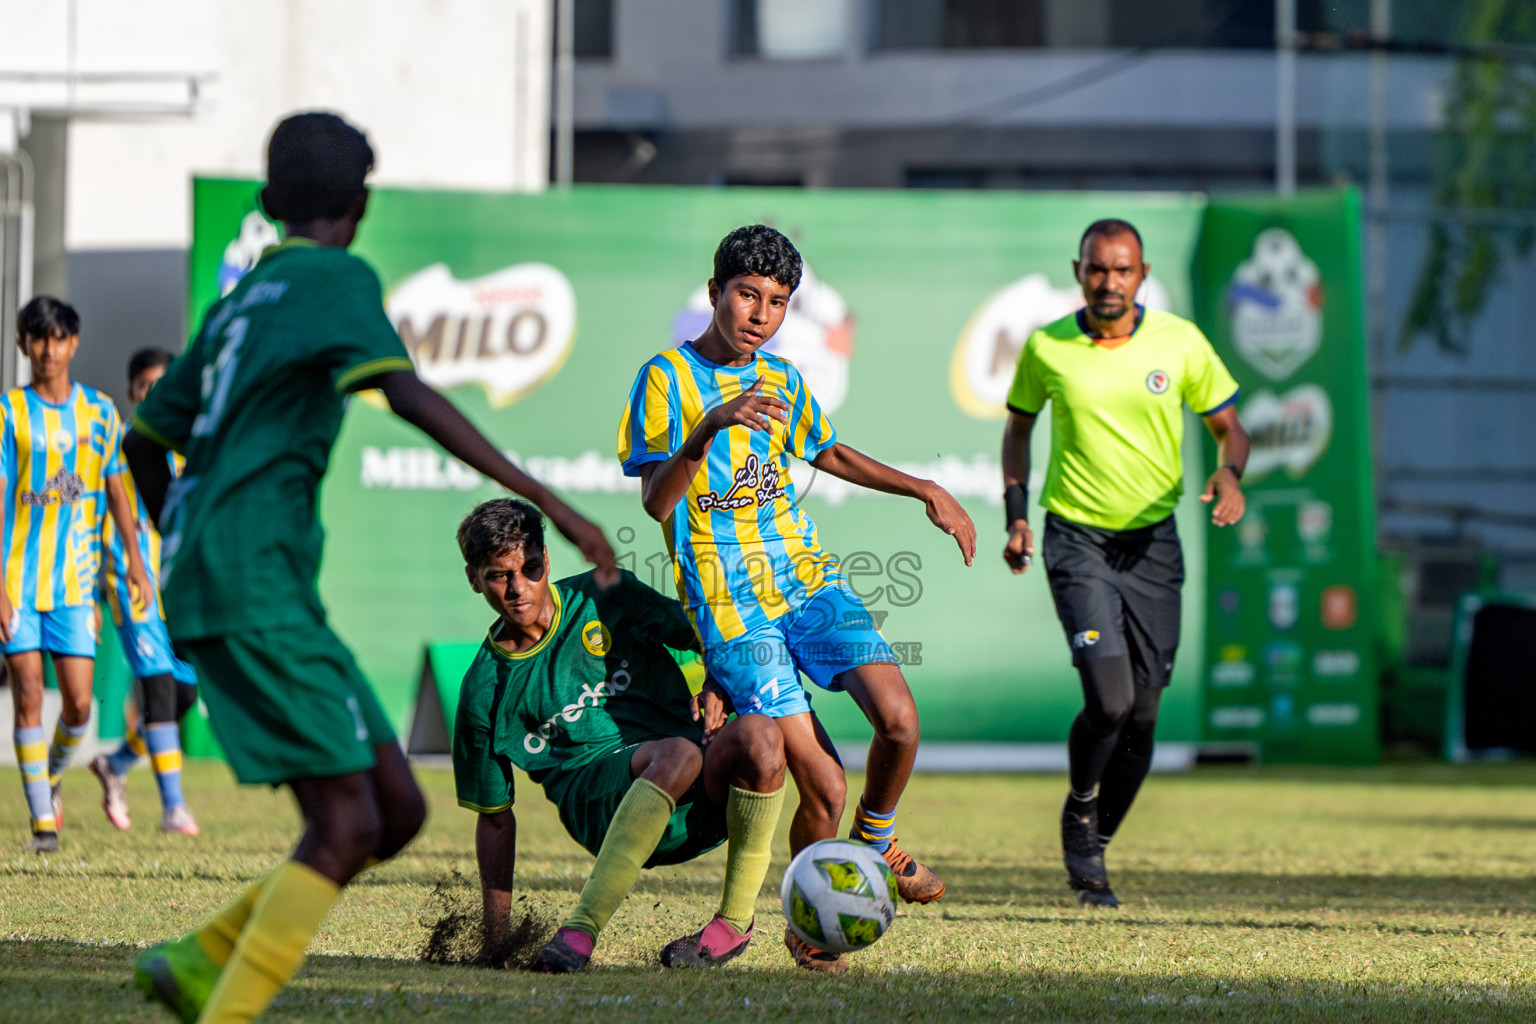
x=1487, y=167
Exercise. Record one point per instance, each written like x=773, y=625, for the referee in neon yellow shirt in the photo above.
x=1117, y=377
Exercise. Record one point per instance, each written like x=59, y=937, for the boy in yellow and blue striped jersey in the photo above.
x=165, y=687
x=708, y=429
x=61, y=459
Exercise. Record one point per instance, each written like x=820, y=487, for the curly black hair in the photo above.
x=759, y=250
x=47, y=317
x=316, y=164
x=497, y=526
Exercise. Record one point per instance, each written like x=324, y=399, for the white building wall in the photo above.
x=452, y=94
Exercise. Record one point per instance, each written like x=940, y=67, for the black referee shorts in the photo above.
x=1117, y=592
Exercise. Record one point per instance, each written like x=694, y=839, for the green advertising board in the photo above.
x=1290, y=624
x=534, y=312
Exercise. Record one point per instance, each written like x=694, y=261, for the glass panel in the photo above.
x=789, y=29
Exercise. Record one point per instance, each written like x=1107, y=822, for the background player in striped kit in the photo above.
x=165, y=687
x=62, y=464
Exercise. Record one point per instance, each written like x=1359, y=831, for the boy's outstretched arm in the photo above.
x=944, y=511
x=416, y=403
x=496, y=854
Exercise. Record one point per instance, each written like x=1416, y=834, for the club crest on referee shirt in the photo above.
x=1275, y=303
x=1157, y=382
x=508, y=331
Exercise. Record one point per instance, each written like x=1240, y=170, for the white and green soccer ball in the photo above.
x=839, y=895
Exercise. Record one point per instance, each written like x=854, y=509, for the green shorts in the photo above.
x=288, y=703
x=591, y=795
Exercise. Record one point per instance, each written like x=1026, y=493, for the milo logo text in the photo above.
x=508, y=331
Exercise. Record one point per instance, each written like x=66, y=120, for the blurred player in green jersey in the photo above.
x=1117, y=376
x=255, y=405
x=576, y=686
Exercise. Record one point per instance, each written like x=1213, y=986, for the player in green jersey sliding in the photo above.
x=576, y=686
x=255, y=405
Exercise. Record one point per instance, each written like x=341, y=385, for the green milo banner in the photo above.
x=1290, y=626
x=534, y=312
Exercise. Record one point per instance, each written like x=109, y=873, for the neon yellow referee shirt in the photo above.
x=1117, y=417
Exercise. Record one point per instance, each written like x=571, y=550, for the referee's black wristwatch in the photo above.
x=1236, y=470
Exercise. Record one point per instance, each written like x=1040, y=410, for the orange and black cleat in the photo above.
x=915, y=882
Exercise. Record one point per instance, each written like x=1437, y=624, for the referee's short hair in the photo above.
x=1109, y=227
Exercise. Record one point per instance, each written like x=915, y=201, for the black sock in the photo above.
x=1122, y=779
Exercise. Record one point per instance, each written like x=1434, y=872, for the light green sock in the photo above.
x=636, y=828
x=750, y=819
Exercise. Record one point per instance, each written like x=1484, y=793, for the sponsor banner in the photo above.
x=1277, y=290
x=534, y=312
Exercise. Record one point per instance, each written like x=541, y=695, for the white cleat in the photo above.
x=114, y=792
x=179, y=819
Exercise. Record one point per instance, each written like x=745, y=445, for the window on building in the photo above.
x=789, y=29
x=958, y=24
x=594, y=29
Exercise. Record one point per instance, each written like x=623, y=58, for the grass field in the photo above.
x=1391, y=894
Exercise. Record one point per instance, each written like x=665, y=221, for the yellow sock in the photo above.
x=219, y=936
x=636, y=828
x=294, y=900
x=750, y=819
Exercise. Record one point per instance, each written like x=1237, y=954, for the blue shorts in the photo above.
x=147, y=646
x=826, y=636
x=68, y=631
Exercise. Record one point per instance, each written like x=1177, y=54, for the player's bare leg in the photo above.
x=819, y=778
x=823, y=789
x=403, y=807
x=744, y=770
x=75, y=677
x=26, y=674
x=882, y=694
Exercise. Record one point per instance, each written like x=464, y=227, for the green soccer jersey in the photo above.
x=601, y=679
x=1117, y=414
x=255, y=404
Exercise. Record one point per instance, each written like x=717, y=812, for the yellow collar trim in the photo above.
x=554, y=624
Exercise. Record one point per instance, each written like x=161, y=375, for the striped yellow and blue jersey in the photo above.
x=114, y=569
x=742, y=552
x=56, y=460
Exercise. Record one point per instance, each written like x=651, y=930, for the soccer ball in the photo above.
x=839, y=895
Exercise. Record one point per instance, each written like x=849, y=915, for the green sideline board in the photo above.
x=534, y=313
x=1291, y=627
